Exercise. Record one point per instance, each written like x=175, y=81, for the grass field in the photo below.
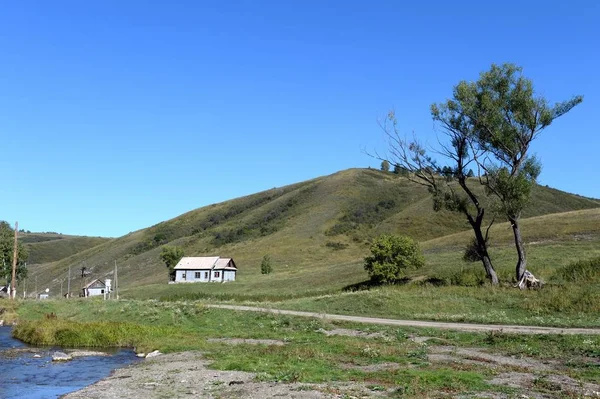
x=383, y=358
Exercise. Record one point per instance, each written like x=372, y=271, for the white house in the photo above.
x=97, y=287
x=204, y=269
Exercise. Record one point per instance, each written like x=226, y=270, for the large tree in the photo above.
x=450, y=185
x=506, y=116
x=7, y=237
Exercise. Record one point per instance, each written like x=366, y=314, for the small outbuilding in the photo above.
x=205, y=269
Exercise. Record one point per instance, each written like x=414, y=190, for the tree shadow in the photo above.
x=368, y=284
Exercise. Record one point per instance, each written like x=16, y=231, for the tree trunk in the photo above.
x=485, y=257
x=489, y=269
x=522, y=257
x=482, y=248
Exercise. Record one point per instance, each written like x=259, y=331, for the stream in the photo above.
x=29, y=373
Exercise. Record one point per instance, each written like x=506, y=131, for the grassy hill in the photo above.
x=51, y=247
x=317, y=233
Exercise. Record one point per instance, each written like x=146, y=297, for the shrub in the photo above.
x=336, y=246
x=581, y=271
x=265, y=265
x=391, y=256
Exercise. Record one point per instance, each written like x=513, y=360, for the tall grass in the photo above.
x=582, y=272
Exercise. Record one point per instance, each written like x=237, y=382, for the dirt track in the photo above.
x=427, y=324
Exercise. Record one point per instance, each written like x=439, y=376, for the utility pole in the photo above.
x=116, y=281
x=36, y=291
x=13, y=284
x=69, y=284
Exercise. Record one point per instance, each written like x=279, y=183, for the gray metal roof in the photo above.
x=197, y=263
x=205, y=263
x=225, y=264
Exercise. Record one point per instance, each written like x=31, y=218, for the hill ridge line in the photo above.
x=467, y=327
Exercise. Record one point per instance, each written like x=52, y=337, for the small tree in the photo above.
x=385, y=166
x=391, y=256
x=400, y=170
x=7, y=237
x=171, y=256
x=265, y=265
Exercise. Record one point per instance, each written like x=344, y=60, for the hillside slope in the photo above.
x=317, y=232
x=51, y=247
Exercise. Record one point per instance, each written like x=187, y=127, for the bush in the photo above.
x=336, y=246
x=581, y=271
x=265, y=265
x=391, y=256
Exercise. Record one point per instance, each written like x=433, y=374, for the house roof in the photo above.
x=205, y=263
x=225, y=264
x=96, y=281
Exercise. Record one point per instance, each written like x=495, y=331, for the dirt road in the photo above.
x=417, y=323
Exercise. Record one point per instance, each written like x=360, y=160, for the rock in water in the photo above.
x=60, y=357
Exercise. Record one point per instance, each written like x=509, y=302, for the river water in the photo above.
x=24, y=376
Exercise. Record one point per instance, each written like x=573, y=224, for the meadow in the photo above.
x=400, y=362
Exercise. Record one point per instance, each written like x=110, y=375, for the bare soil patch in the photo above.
x=249, y=341
x=186, y=375
x=559, y=385
x=484, y=358
x=351, y=333
x=371, y=367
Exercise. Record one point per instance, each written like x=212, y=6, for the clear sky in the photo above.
x=116, y=115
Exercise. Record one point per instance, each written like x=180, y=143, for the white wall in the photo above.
x=229, y=275
x=190, y=276
x=95, y=291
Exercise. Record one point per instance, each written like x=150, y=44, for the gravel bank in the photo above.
x=185, y=375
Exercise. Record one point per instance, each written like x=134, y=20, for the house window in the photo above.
x=197, y=275
x=217, y=274
x=183, y=276
x=206, y=275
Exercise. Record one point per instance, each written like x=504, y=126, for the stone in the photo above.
x=153, y=354
x=60, y=357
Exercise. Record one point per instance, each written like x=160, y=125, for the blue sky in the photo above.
x=116, y=115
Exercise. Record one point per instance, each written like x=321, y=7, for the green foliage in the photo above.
x=471, y=252
x=7, y=237
x=266, y=266
x=391, y=256
x=401, y=170
x=582, y=271
x=171, y=255
x=385, y=166
x=367, y=214
x=513, y=190
x=501, y=115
